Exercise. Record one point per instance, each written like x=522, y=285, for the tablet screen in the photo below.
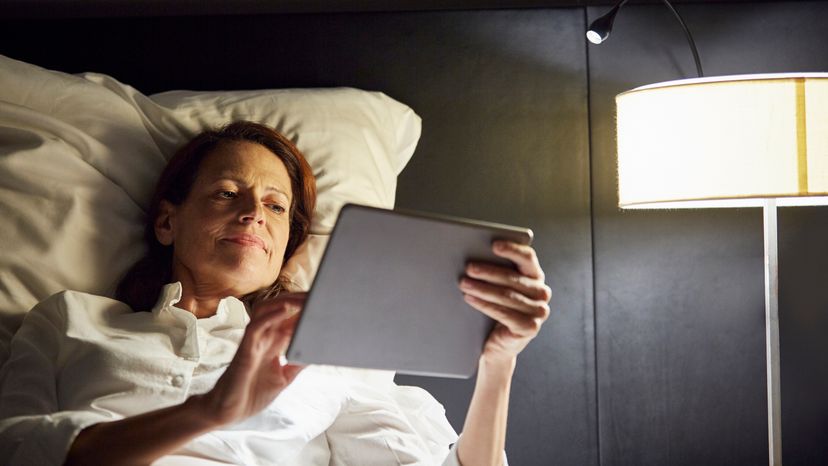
x=386, y=294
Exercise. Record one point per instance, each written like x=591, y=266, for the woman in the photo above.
x=91, y=381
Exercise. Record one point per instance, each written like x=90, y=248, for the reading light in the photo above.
x=600, y=30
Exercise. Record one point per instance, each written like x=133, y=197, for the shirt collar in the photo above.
x=170, y=295
x=230, y=312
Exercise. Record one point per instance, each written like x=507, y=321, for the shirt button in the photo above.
x=177, y=381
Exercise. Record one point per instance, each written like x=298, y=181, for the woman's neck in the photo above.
x=200, y=307
x=201, y=297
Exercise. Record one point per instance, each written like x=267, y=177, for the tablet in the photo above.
x=386, y=296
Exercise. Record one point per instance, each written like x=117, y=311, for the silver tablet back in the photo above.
x=386, y=295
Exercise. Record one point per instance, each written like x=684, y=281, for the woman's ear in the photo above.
x=164, y=222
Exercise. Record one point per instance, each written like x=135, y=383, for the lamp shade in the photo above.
x=724, y=142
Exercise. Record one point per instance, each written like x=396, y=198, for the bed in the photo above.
x=82, y=153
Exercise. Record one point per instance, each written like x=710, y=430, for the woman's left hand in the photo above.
x=518, y=300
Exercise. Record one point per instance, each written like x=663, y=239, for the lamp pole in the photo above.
x=772, y=333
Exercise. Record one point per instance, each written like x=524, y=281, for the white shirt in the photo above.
x=80, y=359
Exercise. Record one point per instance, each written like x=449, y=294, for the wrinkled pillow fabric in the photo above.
x=80, y=154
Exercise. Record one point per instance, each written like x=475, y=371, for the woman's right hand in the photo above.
x=257, y=373
x=254, y=378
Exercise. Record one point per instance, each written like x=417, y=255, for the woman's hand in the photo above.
x=254, y=378
x=257, y=373
x=518, y=300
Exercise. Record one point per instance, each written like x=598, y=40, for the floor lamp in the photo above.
x=736, y=141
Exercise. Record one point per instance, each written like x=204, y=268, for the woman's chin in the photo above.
x=255, y=273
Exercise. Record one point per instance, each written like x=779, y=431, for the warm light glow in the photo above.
x=726, y=142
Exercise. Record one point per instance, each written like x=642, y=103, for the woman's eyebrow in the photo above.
x=278, y=190
x=238, y=180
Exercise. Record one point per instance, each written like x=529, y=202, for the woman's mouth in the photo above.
x=247, y=240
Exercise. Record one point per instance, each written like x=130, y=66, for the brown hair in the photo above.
x=142, y=284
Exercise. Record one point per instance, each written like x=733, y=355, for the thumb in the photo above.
x=291, y=371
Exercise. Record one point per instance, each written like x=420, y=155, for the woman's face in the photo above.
x=230, y=233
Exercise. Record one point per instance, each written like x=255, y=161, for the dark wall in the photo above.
x=680, y=294
x=500, y=141
x=661, y=359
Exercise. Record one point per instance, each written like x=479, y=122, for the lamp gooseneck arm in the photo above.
x=600, y=28
x=617, y=7
x=689, y=38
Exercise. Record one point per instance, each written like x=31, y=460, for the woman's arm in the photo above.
x=33, y=428
x=142, y=439
x=518, y=301
x=254, y=378
x=484, y=432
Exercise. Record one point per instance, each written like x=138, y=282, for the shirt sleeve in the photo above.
x=453, y=460
x=392, y=425
x=33, y=429
x=384, y=424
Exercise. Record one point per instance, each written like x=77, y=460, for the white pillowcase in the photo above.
x=79, y=157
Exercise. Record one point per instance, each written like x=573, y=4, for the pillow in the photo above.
x=79, y=157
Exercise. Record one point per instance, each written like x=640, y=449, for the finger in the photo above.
x=519, y=324
x=290, y=371
x=285, y=371
x=505, y=297
x=269, y=343
x=282, y=363
x=278, y=303
x=522, y=255
x=273, y=327
x=531, y=287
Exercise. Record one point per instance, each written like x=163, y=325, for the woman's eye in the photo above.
x=276, y=208
x=227, y=195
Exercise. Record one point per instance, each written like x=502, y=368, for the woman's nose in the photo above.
x=252, y=213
